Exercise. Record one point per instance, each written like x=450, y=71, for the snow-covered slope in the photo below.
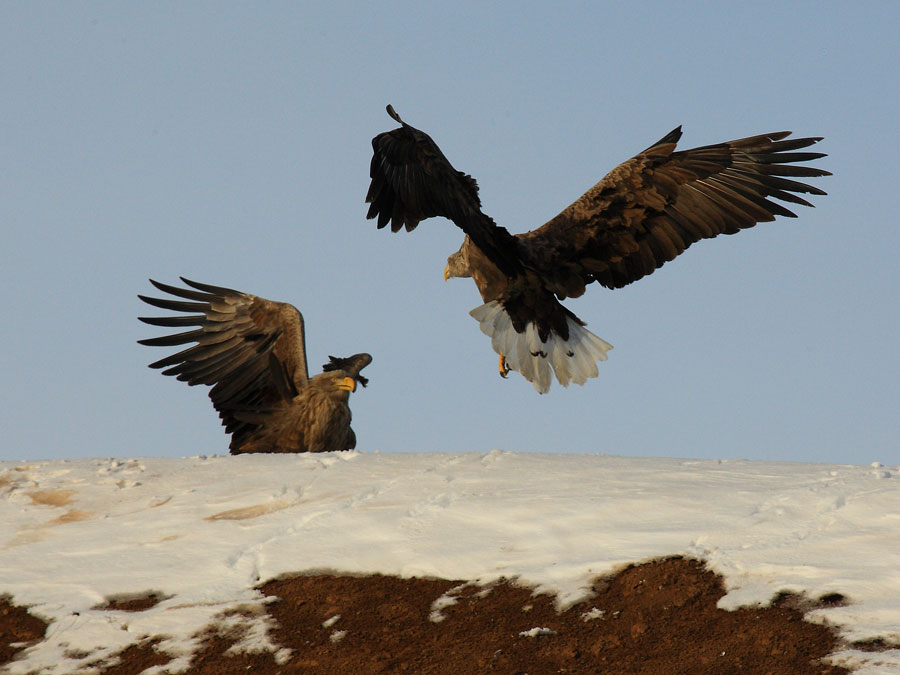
x=203, y=531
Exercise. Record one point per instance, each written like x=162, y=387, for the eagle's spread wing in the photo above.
x=251, y=350
x=652, y=207
x=412, y=180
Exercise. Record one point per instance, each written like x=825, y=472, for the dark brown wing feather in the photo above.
x=251, y=350
x=651, y=208
x=412, y=180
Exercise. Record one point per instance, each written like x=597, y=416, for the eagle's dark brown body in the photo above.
x=316, y=420
x=252, y=351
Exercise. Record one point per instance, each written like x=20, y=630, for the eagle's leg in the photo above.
x=504, y=369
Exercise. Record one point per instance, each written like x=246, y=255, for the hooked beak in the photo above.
x=347, y=384
x=447, y=272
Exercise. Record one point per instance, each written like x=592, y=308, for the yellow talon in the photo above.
x=504, y=369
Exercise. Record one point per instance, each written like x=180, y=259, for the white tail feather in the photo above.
x=572, y=360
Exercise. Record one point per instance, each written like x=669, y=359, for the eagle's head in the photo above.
x=458, y=263
x=344, y=370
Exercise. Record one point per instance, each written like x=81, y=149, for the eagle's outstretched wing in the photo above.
x=412, y=181
x=251, y=350
x=652, y=207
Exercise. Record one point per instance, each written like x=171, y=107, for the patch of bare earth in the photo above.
x=659, y=617
x=18, y=630
x=133, y=603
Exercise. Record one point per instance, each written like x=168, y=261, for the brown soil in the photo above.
x=659, y=617
x=17, y=629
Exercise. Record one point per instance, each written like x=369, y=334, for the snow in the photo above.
x=202, y=531
x=536, y=631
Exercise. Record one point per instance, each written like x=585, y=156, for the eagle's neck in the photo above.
x=469, y=261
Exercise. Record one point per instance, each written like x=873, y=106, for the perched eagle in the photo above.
x=253, y=353
x=645, y=212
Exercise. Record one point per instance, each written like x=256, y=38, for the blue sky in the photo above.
x=230, y=142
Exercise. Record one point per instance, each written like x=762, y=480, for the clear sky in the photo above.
x=230, y=143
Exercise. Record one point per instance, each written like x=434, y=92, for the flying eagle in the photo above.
x=253, y=353
x=642, y=214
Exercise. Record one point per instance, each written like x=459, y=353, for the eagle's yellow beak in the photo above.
x=447, y=272
x=347, y=384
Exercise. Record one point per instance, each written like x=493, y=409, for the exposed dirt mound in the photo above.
x=18, y=630
x=659, y=617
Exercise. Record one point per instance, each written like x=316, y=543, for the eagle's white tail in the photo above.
x=573, y=360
